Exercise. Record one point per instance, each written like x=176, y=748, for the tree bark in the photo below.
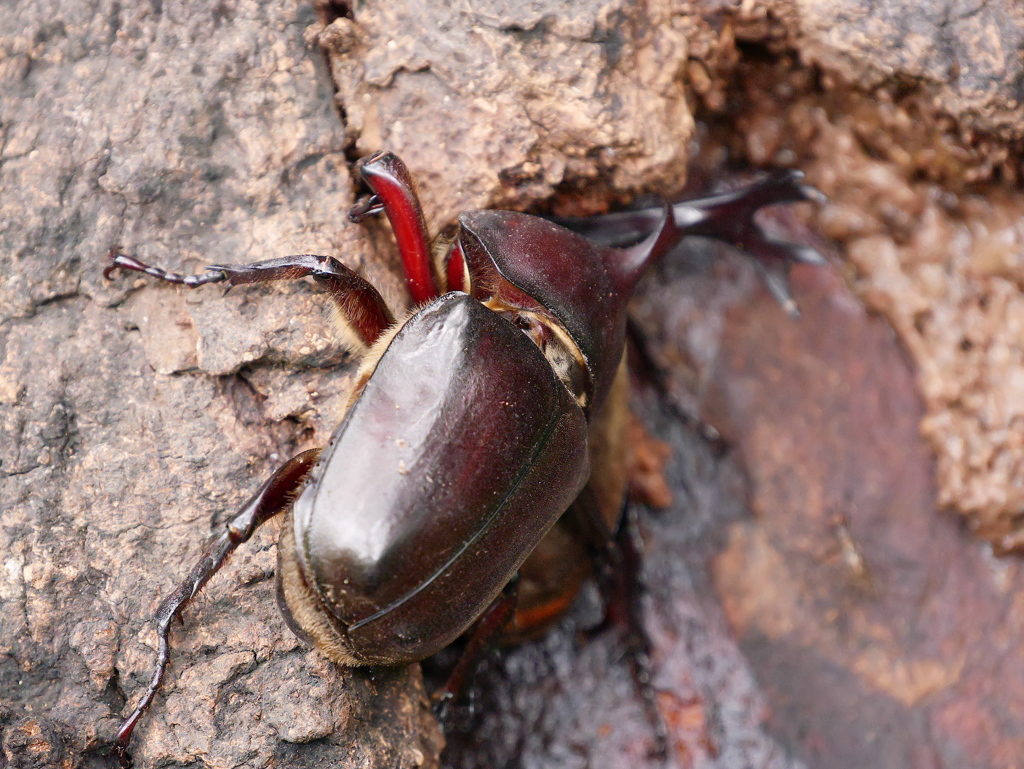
x=135, y=417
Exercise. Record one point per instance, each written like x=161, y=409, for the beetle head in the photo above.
x=575, y=287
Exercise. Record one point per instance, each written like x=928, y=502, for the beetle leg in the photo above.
x=643, y=363
x=629, y=545
x=487, y=631
x=273, y=497
x=358, y=302
x=617, y=564
x=393, y=192
x=728, y=217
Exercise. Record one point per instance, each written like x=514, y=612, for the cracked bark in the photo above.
x=134, y=418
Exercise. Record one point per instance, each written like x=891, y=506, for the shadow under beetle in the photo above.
x=472, y=427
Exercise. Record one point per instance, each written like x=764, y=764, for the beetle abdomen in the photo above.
x=458, y=455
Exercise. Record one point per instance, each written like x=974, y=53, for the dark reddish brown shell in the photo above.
x=576, y=281
x=458, y=455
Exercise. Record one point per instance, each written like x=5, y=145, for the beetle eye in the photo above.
x=553, y=342
x=533, y=328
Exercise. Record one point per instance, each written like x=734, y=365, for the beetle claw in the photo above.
x=112, y=255
x=119, y=260
x=781, y=187
x=365, y=208
x=813, y=194
x=120, y=755
x=441, y=703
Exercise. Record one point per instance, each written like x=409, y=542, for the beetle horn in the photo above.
x=635, y=260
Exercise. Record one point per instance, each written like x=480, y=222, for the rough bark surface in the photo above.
x=932, y=227
x=915, y=130
x=968, y=51
x=504, y=104
x=134, y=418
x=876, y=628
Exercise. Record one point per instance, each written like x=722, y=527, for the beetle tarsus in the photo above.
x=359, y=304
x=365, y=207
x=124, y=262
x=728, y=217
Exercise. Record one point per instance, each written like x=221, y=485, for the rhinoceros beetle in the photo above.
x=472, y=426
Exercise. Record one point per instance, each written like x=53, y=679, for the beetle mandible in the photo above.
x=472, y=426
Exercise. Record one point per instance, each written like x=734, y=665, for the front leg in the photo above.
x=395, y=195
